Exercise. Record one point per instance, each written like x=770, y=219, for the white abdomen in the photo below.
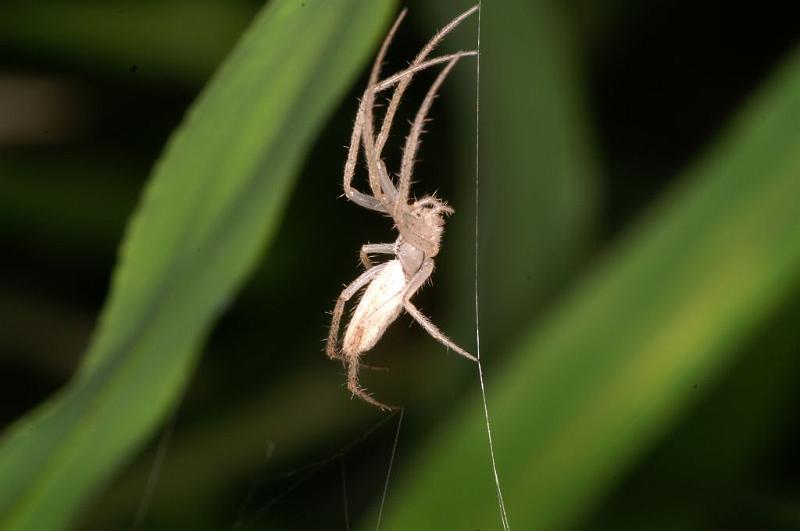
x=380, y=305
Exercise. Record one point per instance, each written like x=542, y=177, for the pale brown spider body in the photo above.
x=391, y=285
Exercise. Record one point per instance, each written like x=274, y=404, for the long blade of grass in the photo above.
x=213, y=201
x=597, y=382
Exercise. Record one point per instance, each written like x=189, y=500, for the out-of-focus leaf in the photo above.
x=214, y=199
x=717, y=468
x=600, y=379
x=179, y=41
x=538, y=173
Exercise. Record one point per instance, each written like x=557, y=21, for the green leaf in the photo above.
x=214, y=199
x=594, y=385
x=722, y=482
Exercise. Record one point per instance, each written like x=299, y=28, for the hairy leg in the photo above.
x=383, y=189
x=412, y=141
x=332, y=346
x=374, y=248
x=394, y=79
x=413, y=286
x=365, y=200
x=363, y=129
x=434, y=332
x=357, y=390
x=361, y=199
x=394, y=103
x=375, y=169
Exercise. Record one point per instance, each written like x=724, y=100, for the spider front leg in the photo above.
x=413, y=286
x=374, y=248
x=361, y=199
x=332, y=348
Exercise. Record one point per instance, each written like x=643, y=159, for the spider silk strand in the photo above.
x=500, y=502
x=389, y=471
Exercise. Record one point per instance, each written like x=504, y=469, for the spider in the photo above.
x=391, y=285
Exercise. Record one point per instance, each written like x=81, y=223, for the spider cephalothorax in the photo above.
x=423, y=224
x=391, y=284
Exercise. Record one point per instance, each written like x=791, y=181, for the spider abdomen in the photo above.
x=380, y=305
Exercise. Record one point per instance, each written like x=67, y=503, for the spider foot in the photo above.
x=366, y=397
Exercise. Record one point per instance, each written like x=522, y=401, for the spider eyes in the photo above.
x=424, y=210
x=426, y=204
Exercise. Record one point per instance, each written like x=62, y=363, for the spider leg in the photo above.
x=434, y=332
x=361, y=199
x=364, y=200
x=394, y=103
x=357, y=390
x=382, y=248
x=404, y=76
x=380, y=183
x=363, y=130
x=394, y=79
x=414, y=284
x=332, y=346
x=383, y=189
x=412, y=140
x=387, y=185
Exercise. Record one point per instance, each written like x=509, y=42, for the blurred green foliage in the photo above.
x=639, y=288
